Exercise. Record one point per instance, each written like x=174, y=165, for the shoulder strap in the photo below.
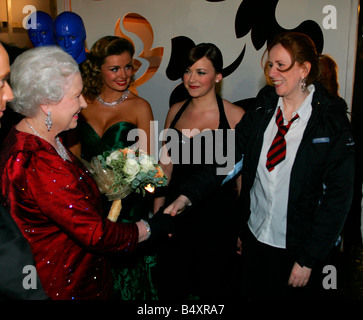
x=179, y=113
x=223, y=122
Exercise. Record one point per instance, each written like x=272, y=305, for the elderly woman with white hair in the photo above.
x=51, y=196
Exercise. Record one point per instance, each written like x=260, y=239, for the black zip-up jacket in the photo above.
x=321, y=184
x=15, y=254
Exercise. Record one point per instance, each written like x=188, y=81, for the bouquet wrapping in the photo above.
x=122, y=171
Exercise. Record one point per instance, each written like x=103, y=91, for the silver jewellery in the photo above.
x=48, y=121
x=148, y=229
x=303, y=84
x=114, y=103
x=61, y=150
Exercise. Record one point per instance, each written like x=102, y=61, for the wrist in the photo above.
x=187, y=201
x=143, y=231
x=183, y=204
x=148, y=229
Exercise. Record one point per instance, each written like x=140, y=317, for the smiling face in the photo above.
x=200, y=78
x=287, y=83
x=6, y=93
x=117, y=72
x=65, y=113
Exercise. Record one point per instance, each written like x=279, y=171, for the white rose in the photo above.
x=113, y=156
x=146, y=164
x=131, y=169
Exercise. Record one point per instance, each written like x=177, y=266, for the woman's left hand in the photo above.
x=239, y=246
x=299, y=276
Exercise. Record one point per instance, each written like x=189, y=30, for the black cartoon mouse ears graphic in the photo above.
x=255, y=16
x=259, y=17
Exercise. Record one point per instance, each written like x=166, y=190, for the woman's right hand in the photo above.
x=178, y=205
x=239, y=246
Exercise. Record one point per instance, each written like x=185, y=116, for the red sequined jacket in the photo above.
x=57, y=206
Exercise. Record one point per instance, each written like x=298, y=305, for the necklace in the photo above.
x=61, y=150
x=114, y=103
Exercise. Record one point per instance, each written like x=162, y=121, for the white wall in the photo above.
x=204, y=21
x=13, y=13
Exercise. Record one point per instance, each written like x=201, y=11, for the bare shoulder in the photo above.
x=174, y=109
x=140, y=108
x=139, y=102
x=233, y=112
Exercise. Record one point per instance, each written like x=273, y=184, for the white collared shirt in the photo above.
x=270, y=191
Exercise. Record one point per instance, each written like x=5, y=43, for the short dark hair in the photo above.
x=208, y=50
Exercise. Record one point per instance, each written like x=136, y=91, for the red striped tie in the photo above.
x=277, y=151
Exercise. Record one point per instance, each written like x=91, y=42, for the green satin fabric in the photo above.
x=115, y=137
x=135, y=283
x=132, y=273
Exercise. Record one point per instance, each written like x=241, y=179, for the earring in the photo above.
x=303, y=84
x=48, y=121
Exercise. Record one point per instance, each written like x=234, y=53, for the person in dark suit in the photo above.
x=18, y=277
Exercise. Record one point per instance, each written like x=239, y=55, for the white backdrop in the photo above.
x=204, y=21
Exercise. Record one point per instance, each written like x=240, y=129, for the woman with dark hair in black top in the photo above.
x=196, y=260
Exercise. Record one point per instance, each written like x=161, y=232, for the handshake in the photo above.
x=163, y=221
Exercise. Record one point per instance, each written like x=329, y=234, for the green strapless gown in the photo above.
x=132, y=272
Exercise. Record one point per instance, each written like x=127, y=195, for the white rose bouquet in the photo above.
x=120, y=172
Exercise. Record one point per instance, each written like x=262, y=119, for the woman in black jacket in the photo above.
x=296, y=147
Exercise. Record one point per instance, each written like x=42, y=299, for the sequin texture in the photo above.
x=57, y=206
